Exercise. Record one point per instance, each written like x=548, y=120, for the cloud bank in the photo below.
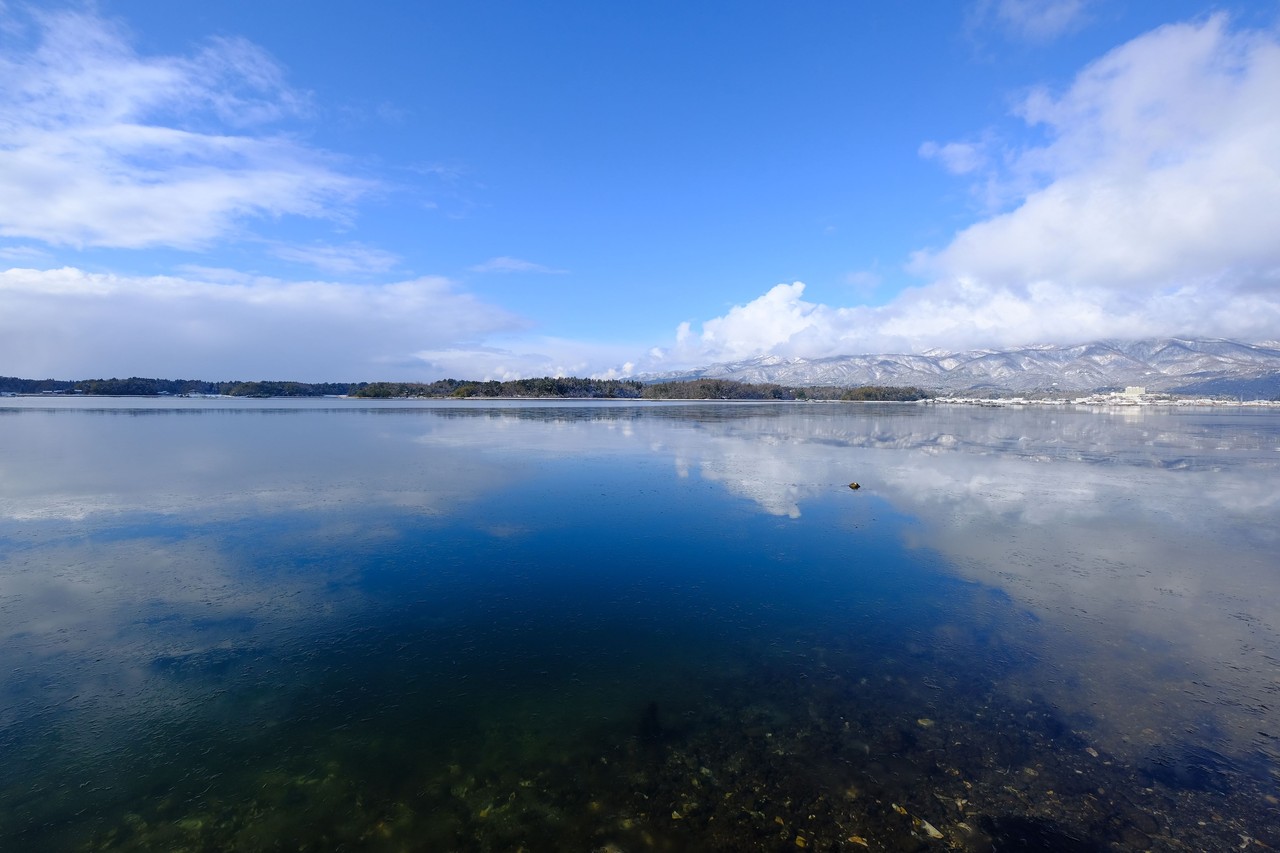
x=67, y=323
x=1145, y=207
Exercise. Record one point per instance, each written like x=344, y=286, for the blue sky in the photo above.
x=415, y=190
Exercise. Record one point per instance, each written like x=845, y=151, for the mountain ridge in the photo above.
x=1170, y=365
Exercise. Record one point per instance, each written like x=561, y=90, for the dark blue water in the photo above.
x=255, y=625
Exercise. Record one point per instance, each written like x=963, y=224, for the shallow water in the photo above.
x=491, y=626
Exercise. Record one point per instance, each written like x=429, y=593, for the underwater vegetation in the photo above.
x=801, y=753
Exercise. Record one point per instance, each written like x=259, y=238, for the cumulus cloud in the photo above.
x=103, y=146
x=779, y=322
x=67, y=323
x=1161, y=168
x=1146, y=206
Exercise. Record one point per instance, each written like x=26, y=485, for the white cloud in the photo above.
x=776, y=322
x=1147, y=208
x=67, y=323
x=958, y=158
x=779, y=322
x=505, y=264
x=349, y=259
x=1161, y=168
x=1030, y=20
x=624, y=372
x=544, y=356
x=965, y=313
x=21, y=254
x=105, y=147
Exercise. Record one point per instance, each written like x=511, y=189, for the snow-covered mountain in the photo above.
x=1200, y=366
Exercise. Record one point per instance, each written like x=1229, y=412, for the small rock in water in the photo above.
x=854, y=486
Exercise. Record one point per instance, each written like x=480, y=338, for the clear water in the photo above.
x=236, y=625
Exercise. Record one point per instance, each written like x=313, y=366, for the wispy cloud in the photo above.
x=23, y=254
x=505, y=264
x=349, y=259
x=958, y=158
x=106, y=147
x=1030, y=20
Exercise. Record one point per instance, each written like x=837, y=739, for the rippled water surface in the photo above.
x=235, y=625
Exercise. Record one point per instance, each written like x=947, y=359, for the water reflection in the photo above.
x=162, y=566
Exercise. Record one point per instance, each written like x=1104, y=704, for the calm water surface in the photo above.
x=235, y=625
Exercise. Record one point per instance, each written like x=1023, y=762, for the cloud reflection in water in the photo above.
x=1143, y=543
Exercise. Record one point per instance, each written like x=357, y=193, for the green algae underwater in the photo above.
x=257, y=625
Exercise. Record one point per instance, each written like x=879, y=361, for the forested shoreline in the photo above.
x=544, y=387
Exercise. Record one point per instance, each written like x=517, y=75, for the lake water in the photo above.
x=324, y=625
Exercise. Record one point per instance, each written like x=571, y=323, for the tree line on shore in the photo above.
x=139, y=387
x=547, y=386
x=634, y=389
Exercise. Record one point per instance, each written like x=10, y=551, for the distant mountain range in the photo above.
x=1199, y=366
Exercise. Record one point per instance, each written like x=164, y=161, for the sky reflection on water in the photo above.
x=225, y=566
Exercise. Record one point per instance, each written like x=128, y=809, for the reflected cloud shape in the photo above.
x=1142, y=543
x=1144, y=539
x=1147, y=542
x=223, y=462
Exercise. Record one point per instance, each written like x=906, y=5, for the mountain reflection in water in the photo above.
x=670, y=626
